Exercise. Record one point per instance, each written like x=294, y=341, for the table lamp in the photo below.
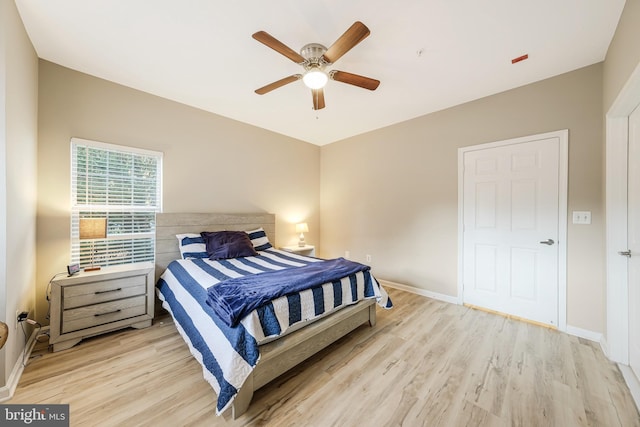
x=92, y=229
x=302, y=228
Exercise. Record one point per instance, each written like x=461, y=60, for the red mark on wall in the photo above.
x=520, y=58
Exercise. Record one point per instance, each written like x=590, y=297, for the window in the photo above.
x=123, y=185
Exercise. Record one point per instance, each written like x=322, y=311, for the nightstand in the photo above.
x=92, y=303
x=308, y=250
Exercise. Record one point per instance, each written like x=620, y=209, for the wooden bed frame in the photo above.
x=278, y=356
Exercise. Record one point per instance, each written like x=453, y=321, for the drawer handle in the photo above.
x=109, y=312
x=106, y=292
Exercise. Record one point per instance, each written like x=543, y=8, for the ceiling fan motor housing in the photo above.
x=312, y=53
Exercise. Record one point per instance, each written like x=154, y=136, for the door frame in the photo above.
x=563, y=174
x=616, y=344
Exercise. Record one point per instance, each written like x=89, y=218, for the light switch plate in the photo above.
x=582, y=217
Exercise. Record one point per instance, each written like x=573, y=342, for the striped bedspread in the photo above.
x=229, y=354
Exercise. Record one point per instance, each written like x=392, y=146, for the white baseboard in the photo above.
x=418, y=291
x=571, y=330
x=632, y=382
x=586, y=334
x=604, y=345
x=7, y=391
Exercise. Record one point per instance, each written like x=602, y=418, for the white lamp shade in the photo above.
x=315, y=79
x=302, y=228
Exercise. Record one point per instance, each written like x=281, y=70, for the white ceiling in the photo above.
x=428, y=54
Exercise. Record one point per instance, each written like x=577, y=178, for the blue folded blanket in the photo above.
x=232, y=299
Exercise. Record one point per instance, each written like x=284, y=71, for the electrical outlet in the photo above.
x=21, y=316
x=347, y=254
x=368, y=257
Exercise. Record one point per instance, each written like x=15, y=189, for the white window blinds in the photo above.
x=120, y=184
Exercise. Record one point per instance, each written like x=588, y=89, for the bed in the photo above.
x=239, y=358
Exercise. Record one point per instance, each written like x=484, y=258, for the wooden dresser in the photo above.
x=91, y=303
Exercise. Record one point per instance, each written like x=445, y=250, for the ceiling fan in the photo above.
x=314, y=58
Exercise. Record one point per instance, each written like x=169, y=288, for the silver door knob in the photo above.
x=626, y=253
x=547, y=242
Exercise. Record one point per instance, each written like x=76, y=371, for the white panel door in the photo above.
x=510, y=229
x=633, y=223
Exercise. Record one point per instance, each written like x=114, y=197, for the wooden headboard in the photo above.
x=170, y=224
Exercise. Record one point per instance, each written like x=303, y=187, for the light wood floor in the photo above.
x=425, y=363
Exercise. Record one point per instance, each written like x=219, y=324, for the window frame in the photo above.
x=108, y=246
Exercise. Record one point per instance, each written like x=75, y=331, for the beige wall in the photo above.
x=623, y=55
x=211, y=164
x=400, y=204
x=18, y=141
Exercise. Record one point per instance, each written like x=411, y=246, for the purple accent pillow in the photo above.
x=228, y=244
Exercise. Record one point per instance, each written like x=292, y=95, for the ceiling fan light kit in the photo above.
x=315, y=79
x=314, y=58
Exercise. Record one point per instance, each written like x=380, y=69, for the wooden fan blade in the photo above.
x=275, y=85
x=354, y=79
x=269, y=41
x=318, y=98
x=354, y=35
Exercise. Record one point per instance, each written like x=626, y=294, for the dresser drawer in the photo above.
x=102, y=291
x=99, y=314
